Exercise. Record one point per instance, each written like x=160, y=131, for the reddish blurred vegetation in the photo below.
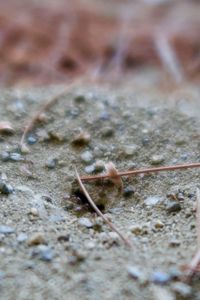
x=53, y=42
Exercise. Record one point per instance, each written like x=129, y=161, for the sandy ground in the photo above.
x=53, y=245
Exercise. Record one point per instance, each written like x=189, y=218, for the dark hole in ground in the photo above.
x=79, y=194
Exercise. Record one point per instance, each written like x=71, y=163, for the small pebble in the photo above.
x=24, y=149
x=51, y=163
x=103, y=237
x=159, y=224
x=136, y=229
x=146, y=228
x=188, y=213
x=6, y=128
x=90, y=169
x=14, y=156
x=173, y=207
x=171, y=196
x=192, y=225
x=134, y=272
x=6, y=229
x=22, y=237
x=90, y=245
x=76, y=257
x=174, y=243
x=175, y=273
x=85, y=222
x=132, y=166
x=5, y=156
x=6, y=188
x=114, y=237
x=130, y=150
x=36, y=239
x=145, y=141
x=180, y=196
x=160, y=277
x=129, y=191
x=3, y=176
x=74, y=112
x=184, y=156
x=31, y=140
x=180, y=141
x=153, y=200
x=145, y=131
x=79, y=99
x=127, y=115
x=43, y=252
x=157, y=159
x=34, y=211
x=110, y=239
x=99, y=166
x=98, y=151
x=87, y=157
x=64, y=237
x=56, y=136
x=43, y=135
x=107, y=132
x=104, y=116
x=81, y=139
x=43, y=118
x=181, y=289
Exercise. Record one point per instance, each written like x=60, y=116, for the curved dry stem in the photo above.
x=192, y=267
x=45, y=107
x=111, y=225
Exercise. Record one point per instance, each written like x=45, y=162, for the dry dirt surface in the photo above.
x=134, y=101
x=52, y=245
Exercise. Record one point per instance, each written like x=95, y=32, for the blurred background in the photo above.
x=48, y=41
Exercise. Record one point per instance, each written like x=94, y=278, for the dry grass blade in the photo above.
x=111, y=225
x=168, y=57
x=44, y=108
x=196, y=259
x=32, y=122
x=192, y=267
x=143, y=171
